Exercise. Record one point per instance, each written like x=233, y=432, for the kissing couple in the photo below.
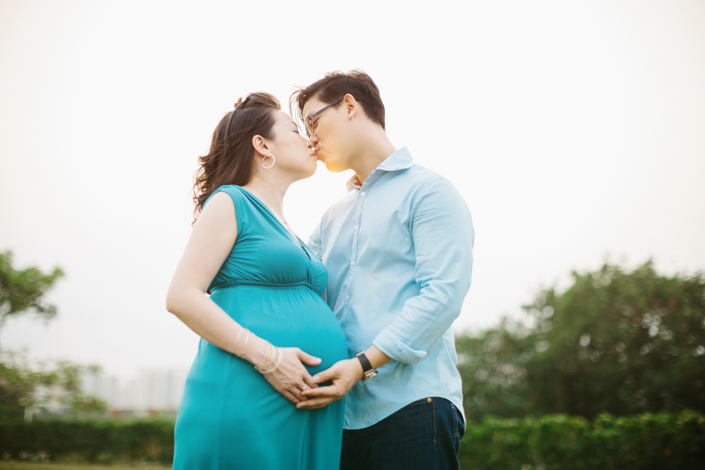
x=338, y=352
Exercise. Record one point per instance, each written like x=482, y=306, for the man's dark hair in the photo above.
x=333, y=86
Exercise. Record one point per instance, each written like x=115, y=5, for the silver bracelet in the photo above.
x=267, y=359
x=276, y=365
x=235, y=342
x=244, y=346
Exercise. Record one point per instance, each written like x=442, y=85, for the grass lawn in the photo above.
x=66, y=466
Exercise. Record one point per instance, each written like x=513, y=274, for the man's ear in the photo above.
x=351, y=106
x=260, y=145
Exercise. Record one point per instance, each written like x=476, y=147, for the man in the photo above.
x=398, y=249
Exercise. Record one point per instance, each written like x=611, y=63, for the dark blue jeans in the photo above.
x=423, y=435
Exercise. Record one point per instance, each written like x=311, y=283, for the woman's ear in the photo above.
x=260, y=145
x=351, y=105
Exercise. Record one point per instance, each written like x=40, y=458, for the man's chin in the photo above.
x=331, y=164
x=332, y=167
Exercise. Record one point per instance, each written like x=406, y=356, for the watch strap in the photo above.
x=367, y=369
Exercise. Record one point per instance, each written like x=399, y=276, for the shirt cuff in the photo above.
x=397, y=350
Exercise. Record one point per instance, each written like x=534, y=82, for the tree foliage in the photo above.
x=22, y=291
x=616, y=341
x=26, y=388
x=42, y=387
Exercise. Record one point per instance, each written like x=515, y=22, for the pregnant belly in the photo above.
x=287, y=317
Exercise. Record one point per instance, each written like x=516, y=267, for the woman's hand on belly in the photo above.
x=291, y=377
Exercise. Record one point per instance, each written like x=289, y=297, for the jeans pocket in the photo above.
x=458, y=423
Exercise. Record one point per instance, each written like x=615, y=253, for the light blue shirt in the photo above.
x=398, y=250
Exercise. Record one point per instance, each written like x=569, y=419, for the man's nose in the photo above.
x=313, y=138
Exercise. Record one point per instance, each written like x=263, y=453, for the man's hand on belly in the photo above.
x=344, y=375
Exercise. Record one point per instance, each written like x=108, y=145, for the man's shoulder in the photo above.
x=422, y=173
x=424, y=179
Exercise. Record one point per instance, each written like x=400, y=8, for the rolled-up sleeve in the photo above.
x=443, y=237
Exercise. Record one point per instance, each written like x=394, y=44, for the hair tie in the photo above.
x=238, y=101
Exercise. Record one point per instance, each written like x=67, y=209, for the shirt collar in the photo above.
x=399, y=160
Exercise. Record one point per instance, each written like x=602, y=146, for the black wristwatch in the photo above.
x=367, y=369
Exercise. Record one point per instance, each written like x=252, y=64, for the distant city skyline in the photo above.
x=148, y=391
x=573, y=130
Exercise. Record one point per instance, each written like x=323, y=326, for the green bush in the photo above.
x=90, y=441
x=650, y=441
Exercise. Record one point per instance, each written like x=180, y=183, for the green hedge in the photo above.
x=89, y=441
x=650, y=441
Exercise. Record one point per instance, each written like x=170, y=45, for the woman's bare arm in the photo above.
x=212, y=239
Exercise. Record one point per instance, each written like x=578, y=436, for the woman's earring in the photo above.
x=273, y=161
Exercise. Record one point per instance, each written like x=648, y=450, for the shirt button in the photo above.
x=357, y=227
x=362, y=194
x=352, y=263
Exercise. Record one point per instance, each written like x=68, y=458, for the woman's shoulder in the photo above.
x=234, y=191
x=236, y=195
x=231, y=198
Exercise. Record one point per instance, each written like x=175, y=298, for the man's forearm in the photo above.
x=376, y=357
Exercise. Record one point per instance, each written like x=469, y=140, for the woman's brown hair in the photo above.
x=229, y=160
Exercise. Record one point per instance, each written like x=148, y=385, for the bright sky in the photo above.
x=574, y=131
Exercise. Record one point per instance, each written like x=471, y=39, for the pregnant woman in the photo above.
x=265, y=328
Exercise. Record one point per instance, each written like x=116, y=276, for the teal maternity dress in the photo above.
x=230, y=417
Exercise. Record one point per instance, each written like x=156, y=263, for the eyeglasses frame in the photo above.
x=309, y=121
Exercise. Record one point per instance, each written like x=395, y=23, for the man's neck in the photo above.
x=373, y=150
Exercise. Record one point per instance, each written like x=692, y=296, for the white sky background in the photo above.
x=574, y=130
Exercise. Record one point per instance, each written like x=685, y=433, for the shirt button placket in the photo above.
x=358, y=210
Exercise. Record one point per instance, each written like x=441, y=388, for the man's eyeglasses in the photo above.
x=311, y=120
